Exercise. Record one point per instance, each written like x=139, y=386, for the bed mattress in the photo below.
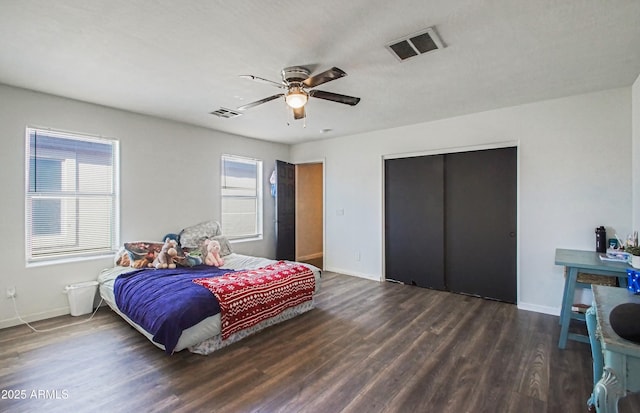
x=204, y=337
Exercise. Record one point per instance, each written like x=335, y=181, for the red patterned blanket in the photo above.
x=249, y=297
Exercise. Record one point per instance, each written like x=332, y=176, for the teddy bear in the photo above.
x=212, y=257
x=165, y=258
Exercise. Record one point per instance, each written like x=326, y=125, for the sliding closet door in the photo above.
x=414, y=221
x=480, y=245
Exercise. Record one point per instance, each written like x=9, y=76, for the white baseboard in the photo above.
x=539, y=308
x=521, y=306
x=10, y=322
x=353, y=273
x=309, y=256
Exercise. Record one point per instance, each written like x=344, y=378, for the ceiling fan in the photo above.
x=298, y=86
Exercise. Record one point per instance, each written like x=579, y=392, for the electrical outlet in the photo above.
x=357, y=255
x=11, y=292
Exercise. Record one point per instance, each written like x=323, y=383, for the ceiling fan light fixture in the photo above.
x=297, y=87
x=296, y=98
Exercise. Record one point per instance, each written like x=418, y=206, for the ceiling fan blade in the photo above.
x=299, y=113
x=263, y=80
x=334, y=97
x=324, y=77
x=260, y=102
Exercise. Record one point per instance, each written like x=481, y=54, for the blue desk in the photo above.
x=587, y=262
x=619, y=359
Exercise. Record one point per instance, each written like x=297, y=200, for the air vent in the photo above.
x=416, y=44
x=226, y=113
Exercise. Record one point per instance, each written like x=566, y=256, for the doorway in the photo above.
x=310, y=214
x=300, y=212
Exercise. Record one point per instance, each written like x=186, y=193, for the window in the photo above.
x=241, y=192
x=71, y=195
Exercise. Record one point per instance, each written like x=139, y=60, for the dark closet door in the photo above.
x=480, y=244
x=285, y=211
x=414, y=217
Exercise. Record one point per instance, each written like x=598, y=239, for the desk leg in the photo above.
x=564, y=295
x=567, y=301
x=607, y=392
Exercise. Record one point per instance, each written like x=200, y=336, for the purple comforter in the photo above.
x=165, y=302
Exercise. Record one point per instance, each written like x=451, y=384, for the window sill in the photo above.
x=248, y=239
x=69, y=260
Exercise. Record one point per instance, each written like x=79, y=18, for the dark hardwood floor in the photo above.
x=367, y=347
x=318, y=262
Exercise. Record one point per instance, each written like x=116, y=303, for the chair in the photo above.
x=596, y=353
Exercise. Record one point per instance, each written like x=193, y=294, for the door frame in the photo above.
x=324, y=203
x=444, y=151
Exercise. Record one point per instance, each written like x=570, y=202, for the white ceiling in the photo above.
x=182, y=59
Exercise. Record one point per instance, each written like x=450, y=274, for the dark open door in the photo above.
x=285, y=211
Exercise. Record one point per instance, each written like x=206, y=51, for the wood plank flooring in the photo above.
x=367, y=347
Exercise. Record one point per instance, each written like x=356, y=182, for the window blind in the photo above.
x=241, y=193
x=71, y=195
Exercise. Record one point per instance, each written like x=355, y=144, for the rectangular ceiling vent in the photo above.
x=226, y=113
x=416, y=44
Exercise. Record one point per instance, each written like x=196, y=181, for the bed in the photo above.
x=214, y=330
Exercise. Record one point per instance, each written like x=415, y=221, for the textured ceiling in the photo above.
x=182, y=59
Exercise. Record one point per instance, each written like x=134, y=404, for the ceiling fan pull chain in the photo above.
x=304, y=119
x=287, y=113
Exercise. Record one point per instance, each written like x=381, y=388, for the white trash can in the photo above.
x=81, y=296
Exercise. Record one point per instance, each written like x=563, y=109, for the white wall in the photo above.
x=574, y=163
x=575, y=158
x=635, y=115
x=170, y=179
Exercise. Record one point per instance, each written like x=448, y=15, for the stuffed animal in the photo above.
x=165, y=257
x=212, y=247
x=147, y=261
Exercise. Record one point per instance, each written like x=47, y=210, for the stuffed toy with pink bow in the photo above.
x=212, y=257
